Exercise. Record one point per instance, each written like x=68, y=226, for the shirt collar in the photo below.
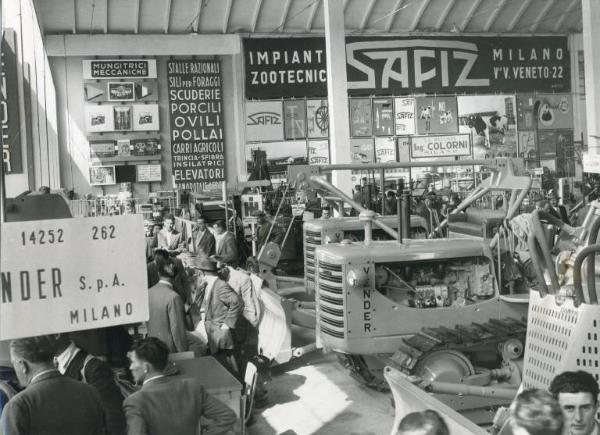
x=43, y=372
x=152, y=378
x=165, y=282
x=64, y=359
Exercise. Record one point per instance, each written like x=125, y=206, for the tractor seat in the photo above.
x=476, y=222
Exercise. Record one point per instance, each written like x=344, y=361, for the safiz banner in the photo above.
x=384, y=66
x=296, y=67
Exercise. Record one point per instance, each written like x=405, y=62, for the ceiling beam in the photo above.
x=312, y=14
x=492, y=18
x=543, y=14
x=255, y=15
x=74, y=4
x=228, y=5
x=106, y=17
x=442, y=19
x=167, y=16
x=196, y=22
x=469, y=15
x=564, y=15
x=136, y=16
x=367, y=15
x=419, y=14
x=393, y=15
x=284, y=16
x=518, y=15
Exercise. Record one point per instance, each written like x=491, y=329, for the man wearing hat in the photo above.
x=219, y=311
x=151, y=241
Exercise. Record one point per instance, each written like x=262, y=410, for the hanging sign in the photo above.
x=290, y=67
x=94, y=69
x=264, y=121
x=67, y=292
x=317, y=118
x=404, y=65
x=318, y=152
x=196, y=108
x=9, y=107
x=440, y=146
x=383, y=116
x=404, y=116
x=436, y=115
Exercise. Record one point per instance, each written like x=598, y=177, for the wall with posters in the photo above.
x=149, y=133
x=385, y=72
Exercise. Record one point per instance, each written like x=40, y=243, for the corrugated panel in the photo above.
x=152, y=16
x=304, y=16
x=122, y=16
x=56, y=16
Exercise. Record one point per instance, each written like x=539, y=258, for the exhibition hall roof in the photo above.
x=284, y=17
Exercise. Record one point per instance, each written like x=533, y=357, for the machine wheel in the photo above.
x=444, y=366
x=367, y=369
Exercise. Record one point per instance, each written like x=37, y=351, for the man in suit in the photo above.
x=180, y=282
x=220, y=308
x=166, y=307
x=225, y=244
x=167, y=405
x=151, y=240
x=51, y=403
x=202, y=239
x=169, y=238
x=76, y=363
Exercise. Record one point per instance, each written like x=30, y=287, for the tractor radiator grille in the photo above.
x=330, y=297
x=312, y=239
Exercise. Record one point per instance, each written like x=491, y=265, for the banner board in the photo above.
x=94, y=69
x=148, y=173
x=9, y=107
x=264, y=121
x=296, y=67
x=404, y=65
x=56, y=291
x=440, y=146
x=196, y=109
x=290, y=67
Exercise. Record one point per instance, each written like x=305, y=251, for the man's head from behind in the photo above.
x=577, y=395
x=427, y=422
x=30, y=356
x=148, y=357
x=536, y=412
x=220, y=227
x=164, y=264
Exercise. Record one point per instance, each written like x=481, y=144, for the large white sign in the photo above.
x=440, y=146
x=71, y=274
x=264, y=121
x=591, y=163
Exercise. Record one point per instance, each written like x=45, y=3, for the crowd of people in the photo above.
x=569, y=407
x=68, y=392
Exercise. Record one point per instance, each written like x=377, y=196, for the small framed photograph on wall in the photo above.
x=145, y=117
x=99, y=119
x=121, y=91
x=102, y=175
x=122, y=115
